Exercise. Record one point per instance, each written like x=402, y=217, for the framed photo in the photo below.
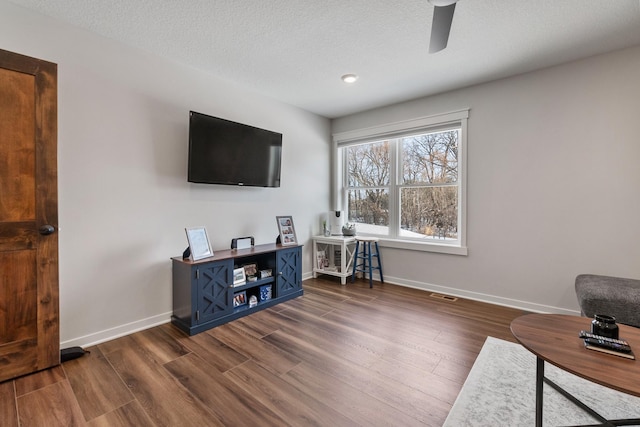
x=287, y=230
x=238, y=276
x=240, y=299
x=198, y=243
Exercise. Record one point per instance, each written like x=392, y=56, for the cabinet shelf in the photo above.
x=203, y=290
x=246, y=307
x=247, y=285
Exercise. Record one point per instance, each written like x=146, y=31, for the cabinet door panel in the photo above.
x=289, y=268
x=214, y=292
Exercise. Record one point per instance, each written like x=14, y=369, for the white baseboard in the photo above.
x=476, y=296
x=117, y=332
x=139, y=325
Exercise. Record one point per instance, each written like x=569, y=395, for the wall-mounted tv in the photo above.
x=230, y=153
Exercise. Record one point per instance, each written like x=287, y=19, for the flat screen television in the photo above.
x=230, y=153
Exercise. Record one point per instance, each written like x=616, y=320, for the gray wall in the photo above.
x=124, y=200
x=553, y=183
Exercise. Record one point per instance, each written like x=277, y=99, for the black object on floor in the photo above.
x=71, y=353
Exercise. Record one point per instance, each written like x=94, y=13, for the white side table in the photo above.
x=333, y=255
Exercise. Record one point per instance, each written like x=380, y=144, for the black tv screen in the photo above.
x=230, y=153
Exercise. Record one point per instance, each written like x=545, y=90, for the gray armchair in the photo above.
x=613, y=296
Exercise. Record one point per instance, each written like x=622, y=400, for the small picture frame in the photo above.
x=198, y=243
x=287, y=230
x=239, y=278
x=240, y=299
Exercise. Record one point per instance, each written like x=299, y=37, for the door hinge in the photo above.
x=197, y=273
x=197, y=314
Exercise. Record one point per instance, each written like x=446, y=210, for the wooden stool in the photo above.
x=364, y=261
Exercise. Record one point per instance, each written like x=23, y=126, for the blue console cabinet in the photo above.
x=204, y=295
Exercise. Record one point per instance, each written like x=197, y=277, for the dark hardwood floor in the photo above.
x=337, y=356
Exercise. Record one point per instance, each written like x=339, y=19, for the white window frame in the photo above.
x=397, y=130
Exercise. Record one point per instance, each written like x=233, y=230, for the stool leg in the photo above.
x=363, y=265
x=355, y=262
x=365, y=258
x=370, y=261
x=379, y=264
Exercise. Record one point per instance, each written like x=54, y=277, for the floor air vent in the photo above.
x=443, y=297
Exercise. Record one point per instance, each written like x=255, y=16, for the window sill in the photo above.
x=422, y=246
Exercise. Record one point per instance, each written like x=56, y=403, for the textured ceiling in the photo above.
x=296, y=50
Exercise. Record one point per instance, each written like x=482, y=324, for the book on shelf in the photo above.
x=629, y=355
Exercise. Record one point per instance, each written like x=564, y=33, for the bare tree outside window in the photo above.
x=427, y=185
x=429, y=192
x=368, y=176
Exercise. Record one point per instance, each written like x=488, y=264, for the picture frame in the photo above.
x=199, y=244
x=287, y=230
x=240, y=299
x=239, y=277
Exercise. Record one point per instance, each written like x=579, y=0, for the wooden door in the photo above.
x=29, y=312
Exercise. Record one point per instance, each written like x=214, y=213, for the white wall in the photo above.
x=553, y=183
x=123, y=196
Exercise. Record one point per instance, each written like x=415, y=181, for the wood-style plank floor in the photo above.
x=337, y=356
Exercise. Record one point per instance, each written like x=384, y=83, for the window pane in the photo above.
x=431, y=158
x=429, y=212
x=369, y=209
x=368, y=165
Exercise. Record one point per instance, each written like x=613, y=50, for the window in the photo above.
x=404, y=182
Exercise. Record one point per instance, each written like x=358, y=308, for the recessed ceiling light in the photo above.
x=349, y=78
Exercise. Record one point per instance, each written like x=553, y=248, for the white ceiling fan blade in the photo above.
x=442, y=18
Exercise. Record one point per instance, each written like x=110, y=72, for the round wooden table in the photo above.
x=554, y=339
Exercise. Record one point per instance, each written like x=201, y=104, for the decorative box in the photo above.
x=265, y=273
x=253, y=301
x=265, y=293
